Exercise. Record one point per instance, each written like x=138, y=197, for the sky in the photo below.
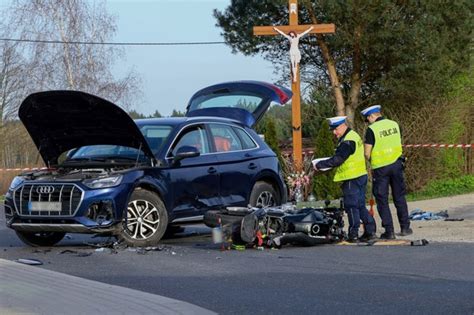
x=171, y=74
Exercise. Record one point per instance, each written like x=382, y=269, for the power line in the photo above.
x=109, y=43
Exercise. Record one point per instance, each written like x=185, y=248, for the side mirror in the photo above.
x=185, y=152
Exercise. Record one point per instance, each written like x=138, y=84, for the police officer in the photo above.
x=383, y=147
x=351, y=171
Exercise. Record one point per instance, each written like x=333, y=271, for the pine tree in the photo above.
x=323, y=185
x=136, y=115
x=271, y=138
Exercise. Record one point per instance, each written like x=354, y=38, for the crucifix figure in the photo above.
x=295, y=55
x=295, y=32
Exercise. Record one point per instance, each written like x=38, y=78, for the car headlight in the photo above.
x=104, y=182
x=17, y=181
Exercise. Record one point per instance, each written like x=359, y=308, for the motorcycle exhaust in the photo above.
x=308, y=228
x=315, y=229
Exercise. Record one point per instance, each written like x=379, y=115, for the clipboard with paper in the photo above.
x=316, y=161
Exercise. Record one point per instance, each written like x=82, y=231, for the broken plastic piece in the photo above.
x=217, y=235
x=238, y=247
x=422, y=242
x=84, y=254
x=29, y=261
x=68, y=251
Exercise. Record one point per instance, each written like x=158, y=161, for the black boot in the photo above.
x=352, y=239
x=406, y=231
x=387, y=236
x=367, y=237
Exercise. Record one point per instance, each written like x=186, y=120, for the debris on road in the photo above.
x=116, y=247
x=104, y=250
x=422, y=242
x=68, y=251
x=420, y=215
x=84, y=254
x=395, y=242
x=77, y=254
x=29, y=261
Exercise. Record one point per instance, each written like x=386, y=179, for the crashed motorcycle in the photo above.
x=278, y=226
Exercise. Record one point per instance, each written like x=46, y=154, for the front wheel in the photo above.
x=36, y=239
x=264, y=195
x=145, y=221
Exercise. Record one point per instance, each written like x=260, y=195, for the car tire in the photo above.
x=145, y=220
x=264, y=195
x=37, y=239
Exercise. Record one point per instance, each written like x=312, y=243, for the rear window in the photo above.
x=248, y=102
x=247, y=141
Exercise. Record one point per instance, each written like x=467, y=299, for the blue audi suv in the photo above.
x=110, y=175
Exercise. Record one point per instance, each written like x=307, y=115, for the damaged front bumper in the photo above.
x=66, y=228
x=98, y=214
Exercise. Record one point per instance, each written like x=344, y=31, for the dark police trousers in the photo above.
x=354, y=204
x=383, y=177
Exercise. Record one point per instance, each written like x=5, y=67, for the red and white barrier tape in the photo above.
x=435, y=145
x=288, y=152
x=462, y=146
x=22, y=169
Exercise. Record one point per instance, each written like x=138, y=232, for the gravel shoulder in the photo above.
x=461, y=206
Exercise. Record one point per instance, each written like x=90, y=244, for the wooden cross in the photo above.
x=295, y=82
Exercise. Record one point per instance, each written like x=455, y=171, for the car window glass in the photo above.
x=155, y=136
x=225, y=139
x=103, y=151
x=248, y=102
x=195, y=137
x=247, y=142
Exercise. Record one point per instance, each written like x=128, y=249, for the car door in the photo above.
x=195, y=180
x=236, y=162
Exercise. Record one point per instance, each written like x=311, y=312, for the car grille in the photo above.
x=31, y=198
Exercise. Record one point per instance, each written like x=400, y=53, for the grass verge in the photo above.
x=444, y=188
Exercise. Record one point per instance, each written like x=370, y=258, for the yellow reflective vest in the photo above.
x=354, y=166
x=388, y=143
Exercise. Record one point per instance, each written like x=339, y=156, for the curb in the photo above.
x=28, y=289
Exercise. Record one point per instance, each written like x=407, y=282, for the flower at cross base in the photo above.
x=298, y=180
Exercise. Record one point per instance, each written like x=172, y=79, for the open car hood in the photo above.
x=245, y=101
x=59, y=121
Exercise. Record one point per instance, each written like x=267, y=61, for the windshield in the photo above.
x=106, y=152
x=155, y=136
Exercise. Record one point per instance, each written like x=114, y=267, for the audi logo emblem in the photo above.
x=45, y=189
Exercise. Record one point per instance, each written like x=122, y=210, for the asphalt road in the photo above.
x=435, y=279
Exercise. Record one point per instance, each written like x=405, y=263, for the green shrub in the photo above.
x=270, y=135
x=323, y=185
x=445, y=187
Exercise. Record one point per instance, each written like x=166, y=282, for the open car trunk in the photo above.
x=244, y=101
